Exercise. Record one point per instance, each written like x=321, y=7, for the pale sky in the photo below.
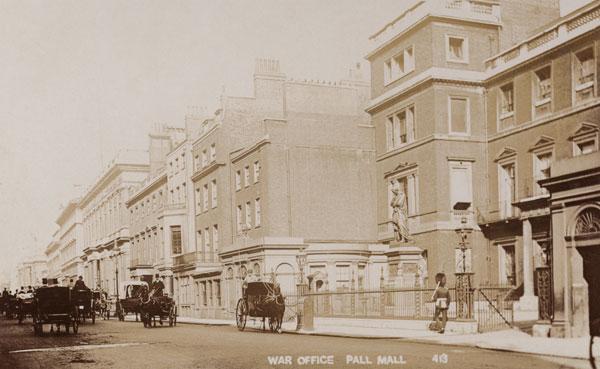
x=81, y=79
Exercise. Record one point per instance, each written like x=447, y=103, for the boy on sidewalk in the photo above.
x=441, y=297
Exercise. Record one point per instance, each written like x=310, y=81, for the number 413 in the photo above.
x=440, y=358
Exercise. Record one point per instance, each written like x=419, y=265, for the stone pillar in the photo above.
x=527, y=306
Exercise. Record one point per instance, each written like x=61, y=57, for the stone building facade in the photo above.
x=428, y=107
x=542, y=110
x=152, y=207
x=30, y=273
x=69, y=239
x=106, y=221
x=485, y=103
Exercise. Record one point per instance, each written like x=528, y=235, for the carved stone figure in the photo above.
x=399, y=215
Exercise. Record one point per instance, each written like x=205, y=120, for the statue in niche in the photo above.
x=399, y=215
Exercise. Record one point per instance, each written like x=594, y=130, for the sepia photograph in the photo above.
x=300, y=184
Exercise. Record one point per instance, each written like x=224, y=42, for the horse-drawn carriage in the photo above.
x=83, y=300
x=54, y=306
x=11, y=307
x=131, y=302
x=25, y=306
x=101, y=304
x=151, y=307
x=261, y=300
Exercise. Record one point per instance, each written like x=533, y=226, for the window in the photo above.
x=456, y=49
x=459, y=115
x=256, y=171
x=248, y=214
x=213, y=152
x=197, y=161
x=176, y=239
x=507, y=265
x=199, y=239
x=204, y=299
x=257, y=212
x=204, y=159
x=215, y=234
x=542, y=90
x=507, y=189
x=238, y=217
x=238, y=180
x=342, y=277
x=205, y=197
x=399, y=65
x=400, y=128
x=584, y=74
x=461, y=188
x=585, y=139
x=506, y=100
x=246, y=176
x=541, y=167
x=207, y=240
x=585, y=146
x=198, y=199
x=213, y=192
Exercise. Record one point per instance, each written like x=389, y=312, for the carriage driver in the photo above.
x=80, y=284
x=157, y=286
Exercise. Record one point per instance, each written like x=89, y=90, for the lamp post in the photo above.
x=463, y=273
x=301, y=288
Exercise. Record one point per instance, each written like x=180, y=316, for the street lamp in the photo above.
x=301, y=288
x=463, y=272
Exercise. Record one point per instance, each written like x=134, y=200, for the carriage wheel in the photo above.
x=120, y=313
x=38, y=329
x=241, y=314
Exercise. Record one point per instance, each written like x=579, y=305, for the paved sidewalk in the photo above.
x=506, y=340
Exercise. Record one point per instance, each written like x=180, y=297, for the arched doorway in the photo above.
x=586, y=237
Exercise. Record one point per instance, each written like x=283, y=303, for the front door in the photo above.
x=591, y=273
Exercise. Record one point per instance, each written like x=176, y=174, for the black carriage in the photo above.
x=162, y=307
x=261, y=300
x=54, y=306
x=12, y=307
x=100, y=304
x=25, y=307
x=83, y=301
x=131, y=301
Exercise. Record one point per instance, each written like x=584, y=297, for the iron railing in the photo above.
x=491, y=307
x=382, y=304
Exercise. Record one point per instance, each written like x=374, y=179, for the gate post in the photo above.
x=309, y=316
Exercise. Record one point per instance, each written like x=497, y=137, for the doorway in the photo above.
x=591, y=273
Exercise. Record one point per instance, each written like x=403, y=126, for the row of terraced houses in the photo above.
x=486, y=117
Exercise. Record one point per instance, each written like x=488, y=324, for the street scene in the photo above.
x=128, y=345
x=249, y=184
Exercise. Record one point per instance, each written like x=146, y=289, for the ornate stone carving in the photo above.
x=588, y=221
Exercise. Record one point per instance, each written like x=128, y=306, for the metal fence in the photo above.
x=491, y=307
x=382, y=304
